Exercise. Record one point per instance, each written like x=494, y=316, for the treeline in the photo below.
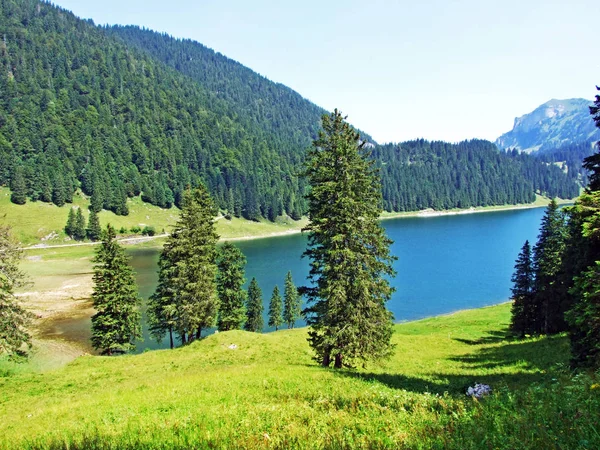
x=423, y=174
x=556, y=285
x=569, y=157
x=120, y=112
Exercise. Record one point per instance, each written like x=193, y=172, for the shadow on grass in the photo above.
x=492, y=337
x=515, y=363
x=529, y=354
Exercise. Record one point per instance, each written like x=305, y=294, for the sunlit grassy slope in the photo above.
x=244, y=390
x=39, y=222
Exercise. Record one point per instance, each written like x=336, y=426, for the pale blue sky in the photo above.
x=436, y=69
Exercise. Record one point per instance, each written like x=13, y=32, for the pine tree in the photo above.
x=547, y=263
x=275, y=309
x=14, y=319
x=185, y=299
x=70, y=226
x=93, y=230
x=584, y=251
x=348, y=249
x=254, y=308
x=79, y=231
x=18, y=187
x=116, y=325
x=524, y=315
x=592, y=163
x=230, y=279
x=292, y=308
x=584, y=319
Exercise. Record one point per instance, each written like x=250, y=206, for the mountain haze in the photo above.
x=554, y=124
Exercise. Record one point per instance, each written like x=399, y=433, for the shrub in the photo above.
x=149, y=231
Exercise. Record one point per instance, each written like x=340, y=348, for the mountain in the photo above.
x=120, y=112
x=554, y=124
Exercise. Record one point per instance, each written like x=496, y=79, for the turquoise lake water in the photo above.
x=445, y=263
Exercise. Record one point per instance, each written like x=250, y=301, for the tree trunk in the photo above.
x=171, y=337
x=199, y=333
x=338, y=361
x=326, y=359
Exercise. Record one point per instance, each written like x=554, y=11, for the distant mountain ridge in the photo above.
x=554, y=124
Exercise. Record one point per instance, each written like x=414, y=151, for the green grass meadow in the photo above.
x=39, y=222
x=254, y=391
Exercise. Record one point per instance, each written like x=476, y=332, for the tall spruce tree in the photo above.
x=524, y=314
x=18, y=187
x=292, y=308
x=70, y=226
x=185, y=300
x=592, y=163
x=583, y=256
x=79, y=231
x=116, y=324
x=14, y=319
x=348, y=249
x=254, y=308
x=547, y=263
x=230, y=279
x=584, y=319
x=93, y=230
x=275, y=309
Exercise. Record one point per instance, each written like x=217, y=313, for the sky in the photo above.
x=436, y=69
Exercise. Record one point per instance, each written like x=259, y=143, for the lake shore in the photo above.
x=63, y=274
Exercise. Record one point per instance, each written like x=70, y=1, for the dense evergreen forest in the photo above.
x=422, y=174
x=570, y=156
x=120, y=112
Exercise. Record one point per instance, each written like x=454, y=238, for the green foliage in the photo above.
x=148, y=230
x=93, y=230
x=275, y=309
x=70, y=226
x=548, y=300
x=580, y=259
x=584, y=318
x=185, y=299
x=230, y=279
x=421, y=174
x=254, y=308
x=136, y=229
x=14, y=319
x=348, y=249
x=592, y=162
x=524, y=312
x=116, y=324
x=79, y=232
x=18, y=188
x=292, y=308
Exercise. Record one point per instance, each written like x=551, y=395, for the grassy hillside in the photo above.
x=243, y=390
x=39, y=222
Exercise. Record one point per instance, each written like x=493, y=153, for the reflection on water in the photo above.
x=76, y=330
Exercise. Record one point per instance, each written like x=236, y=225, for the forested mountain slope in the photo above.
x=292, y=121
x=422, y=174
x=121, y=111
x=80, y=107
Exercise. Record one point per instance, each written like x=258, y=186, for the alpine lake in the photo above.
x=444, y=264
